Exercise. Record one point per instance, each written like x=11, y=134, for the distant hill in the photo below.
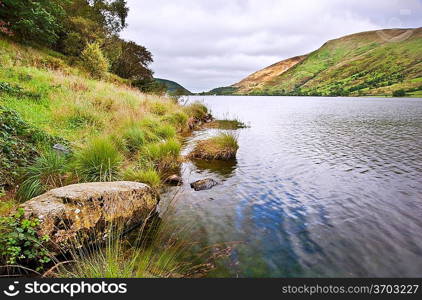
x=173, y=87
x=368, y=63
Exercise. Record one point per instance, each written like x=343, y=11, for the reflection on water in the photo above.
x=223, y=168
x=320, y=187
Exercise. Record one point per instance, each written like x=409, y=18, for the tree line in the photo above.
x=84, y=30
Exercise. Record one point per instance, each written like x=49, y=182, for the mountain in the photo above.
x=368, y=63
x=173, y=87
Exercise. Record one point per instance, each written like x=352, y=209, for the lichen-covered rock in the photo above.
x=203, y=184
x=79, y=212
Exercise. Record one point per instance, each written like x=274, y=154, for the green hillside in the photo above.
x=368, y=63
x=173, y=87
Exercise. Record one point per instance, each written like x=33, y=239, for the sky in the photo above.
x=204, y=44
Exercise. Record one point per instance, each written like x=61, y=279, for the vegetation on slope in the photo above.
x=365, y=63
x=173, y=88
x=108, y=129
x=109, y=126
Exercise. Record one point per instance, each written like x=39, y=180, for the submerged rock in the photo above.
x=174, y=179
x=203, y=184
x=84, y=211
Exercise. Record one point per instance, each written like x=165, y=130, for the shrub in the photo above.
x=399, y=93
x=223, y=147
x=20, y=243
x=98, y=161
x=46, y=173
x=94, y=61
x=149, y=176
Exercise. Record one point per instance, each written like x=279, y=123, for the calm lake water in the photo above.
x=320, y=187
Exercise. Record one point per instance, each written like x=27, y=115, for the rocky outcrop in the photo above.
x=81, y=212
x=203, y=184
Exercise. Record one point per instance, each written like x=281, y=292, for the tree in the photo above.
x=133, y=62
x=94, y=61
x=30, y=20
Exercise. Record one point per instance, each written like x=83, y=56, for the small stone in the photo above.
x=61, y=148
x=174, y=179
x=203, y=184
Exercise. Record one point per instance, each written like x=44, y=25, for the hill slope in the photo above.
x=367, y=63
x=173, y=86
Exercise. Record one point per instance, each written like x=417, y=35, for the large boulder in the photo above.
x=77, y=213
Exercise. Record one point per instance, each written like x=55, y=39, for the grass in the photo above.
x=224, y=146
x=159, y=248
x=226, y=124
x=149, y=176
x=98, y=161
x=164, y=156
x=197, y=110
x=46, y=173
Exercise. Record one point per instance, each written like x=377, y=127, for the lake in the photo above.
x=320, y=187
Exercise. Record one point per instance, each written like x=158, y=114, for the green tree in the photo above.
x=29, y=20
x=133, y=62
x=94, y=61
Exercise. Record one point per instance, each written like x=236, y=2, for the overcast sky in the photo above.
x=203, y=44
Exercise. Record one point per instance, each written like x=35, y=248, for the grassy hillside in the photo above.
x=173, y=87
x=112, y=130
x=367, y=63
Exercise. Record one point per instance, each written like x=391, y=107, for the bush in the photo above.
x=98, y=161
x=20, y=243
x=94, y=61
x=399, y=93
x=46, y=173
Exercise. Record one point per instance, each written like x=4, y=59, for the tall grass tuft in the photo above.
x=148, y=176
x=178, y=119
x=46, y=173
x=197, y=110
x=163, y=155
x=224, y=146
x=98, y=161
x=159, y=248
x=134, y=137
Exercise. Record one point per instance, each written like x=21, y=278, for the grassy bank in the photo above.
x=112, y=131
x=104, y=130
